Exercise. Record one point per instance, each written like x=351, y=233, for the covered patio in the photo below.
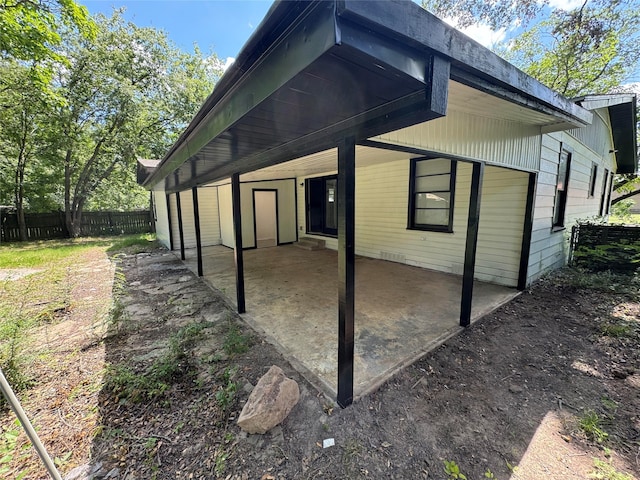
x=401, y=312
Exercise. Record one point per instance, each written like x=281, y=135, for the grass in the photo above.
x=606, y=471
x=632, y=219
x=152, y=383
x=604, y=281
x=591, y=424
x=42, y=297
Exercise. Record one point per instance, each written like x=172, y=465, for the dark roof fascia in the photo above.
x=276, y=22
x=405, y=21
x=624, y=122
x=471, y=63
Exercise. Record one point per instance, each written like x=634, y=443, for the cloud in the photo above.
x=227, y=63
x=565, y=4
x=481, y=33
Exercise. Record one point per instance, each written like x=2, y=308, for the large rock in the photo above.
x=270, y=402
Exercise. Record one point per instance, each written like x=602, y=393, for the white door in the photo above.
x=266, y=218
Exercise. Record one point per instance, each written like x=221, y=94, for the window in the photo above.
x=592, y=180
x=603, y=198
x=607, y=203
x=562, y=185
x=322, y=205
x=431, y=194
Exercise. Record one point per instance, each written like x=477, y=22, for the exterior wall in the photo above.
x=188, y=219
x=382, y=192
x=499, y=142
x=549, y=249
x=226, y=215
x=286, y=210
x=175, y=231
x=161, y=215
x=209, y=216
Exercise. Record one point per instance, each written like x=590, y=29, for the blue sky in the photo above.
x=222, y=26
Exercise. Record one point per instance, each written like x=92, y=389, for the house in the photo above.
x=382, y=131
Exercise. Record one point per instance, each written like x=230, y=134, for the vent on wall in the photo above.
x=393, y=257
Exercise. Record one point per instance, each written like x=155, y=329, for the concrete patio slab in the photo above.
x=402, y=312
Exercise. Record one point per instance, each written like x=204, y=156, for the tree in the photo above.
x=591, y=49
x=24, y=105
x=497, y=13
x=30, y=28
x=125, y=94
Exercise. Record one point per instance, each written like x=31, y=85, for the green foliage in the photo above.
x=31, y=28
x=489, y=474
x=35, y=255
x=8, y=442
x=606, y=471
x=153, y=383
x=622, y=256
x=590, y=49
x=591, y=424
x=452, y=470
x=497, y=13
x=235, y=342
x=623, y=208
x=227, y=391
x=616, y=330
x=131, y=244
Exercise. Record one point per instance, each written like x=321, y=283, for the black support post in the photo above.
x=237, y=234
x=472, y=241
x=526, y=233
x=168, y=198
x=346, y=271
x=180, y=228
x=196, y=218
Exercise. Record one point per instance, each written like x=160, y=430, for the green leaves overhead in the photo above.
x=95, y=103
x=29, y=28
x=592, y=49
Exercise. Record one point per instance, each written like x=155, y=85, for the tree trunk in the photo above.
x=68, y=217
x=19, y=191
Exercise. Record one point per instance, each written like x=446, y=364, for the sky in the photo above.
x=221, y=26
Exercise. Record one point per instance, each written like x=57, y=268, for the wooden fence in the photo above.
x=44, y=226
x=605, y=247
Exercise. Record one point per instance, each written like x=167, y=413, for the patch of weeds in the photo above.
x=351, y=452
x=8, y=448
x=132, y=244
x=602, y=281
x=452, y=470
x=512, y=468
x=616, y=330
x=152, y=383
x=227, y=391
x=606, y=471
x=591, y=424
x=61, y=461
x=489, y=474
x=221, y=462
x=235, y=342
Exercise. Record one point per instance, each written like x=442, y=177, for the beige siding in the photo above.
x=188, y=219
x=470, y=136
x=382, y=192
x=226, y=215
x=209, y=216
x=502, y=209
x=549, y=249
x=161, y=216
x=286, y=210
x=173, y=210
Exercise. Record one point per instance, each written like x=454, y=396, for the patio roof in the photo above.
x=316, y=72
x=624, y=118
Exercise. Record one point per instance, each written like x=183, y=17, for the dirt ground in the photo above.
x=505, y=398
